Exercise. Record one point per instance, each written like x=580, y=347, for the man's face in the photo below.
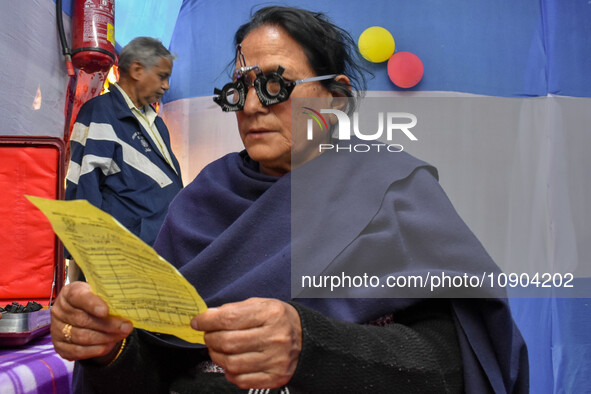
x=153, y=82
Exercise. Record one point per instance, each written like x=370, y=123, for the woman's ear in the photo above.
x=339, y=100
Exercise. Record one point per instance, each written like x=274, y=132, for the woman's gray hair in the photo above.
x=145, y=50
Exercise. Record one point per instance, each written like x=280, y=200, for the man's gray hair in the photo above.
x=145, y=50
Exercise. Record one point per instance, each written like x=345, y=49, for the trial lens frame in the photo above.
x=271, y=88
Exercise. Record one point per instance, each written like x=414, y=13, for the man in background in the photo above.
x=121, y=158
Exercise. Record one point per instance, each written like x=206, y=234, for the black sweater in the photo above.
x=416, y=351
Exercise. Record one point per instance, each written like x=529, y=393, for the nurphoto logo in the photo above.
x=395, y=122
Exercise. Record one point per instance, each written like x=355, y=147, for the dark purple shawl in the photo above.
x=234, y=231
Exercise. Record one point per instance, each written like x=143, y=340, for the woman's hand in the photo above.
x=81, y=327
x=257, y=341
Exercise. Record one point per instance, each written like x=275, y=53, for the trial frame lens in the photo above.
x=271, y=88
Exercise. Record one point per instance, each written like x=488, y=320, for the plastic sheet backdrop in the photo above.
x=32, y=72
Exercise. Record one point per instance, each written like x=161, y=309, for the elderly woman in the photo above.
x=229, y=234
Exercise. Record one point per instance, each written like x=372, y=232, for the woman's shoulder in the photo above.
x=219, y=166
x=372, y=166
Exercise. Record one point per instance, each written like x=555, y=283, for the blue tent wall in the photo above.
x=497, y=48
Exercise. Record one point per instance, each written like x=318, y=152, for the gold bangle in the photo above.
x=119, y=352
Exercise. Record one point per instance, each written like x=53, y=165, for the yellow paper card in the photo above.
x=124, y=271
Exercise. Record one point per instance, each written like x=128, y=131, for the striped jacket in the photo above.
x=115, y=165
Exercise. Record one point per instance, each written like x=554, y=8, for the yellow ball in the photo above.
x=376, y=44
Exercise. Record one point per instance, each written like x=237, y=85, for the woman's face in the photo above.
x=266, y=131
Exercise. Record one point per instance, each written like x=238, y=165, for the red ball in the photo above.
x=405, y=69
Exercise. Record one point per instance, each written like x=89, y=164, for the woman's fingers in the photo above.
x=81, y=326
x=257, y=341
